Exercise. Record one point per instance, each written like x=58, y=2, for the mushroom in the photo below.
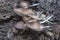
x=20, y=25
x=34, y=25
x=24, y=10
x=29, y=17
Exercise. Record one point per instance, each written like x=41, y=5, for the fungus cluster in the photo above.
x=29, y=17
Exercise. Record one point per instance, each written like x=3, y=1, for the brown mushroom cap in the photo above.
x=34, y=25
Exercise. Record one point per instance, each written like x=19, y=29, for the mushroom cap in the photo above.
x=23, y=11
x=34, y=25
x=24, y=4
x=20, y=25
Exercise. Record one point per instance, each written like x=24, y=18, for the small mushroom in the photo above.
x=34, y=25
x=20, y=25
x=24, y=10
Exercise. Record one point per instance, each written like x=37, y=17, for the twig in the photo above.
x=34, y=5
x=43, y=27
x=9, y=34
x=47, y=19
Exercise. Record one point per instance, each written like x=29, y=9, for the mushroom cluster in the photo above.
x=30, y=19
